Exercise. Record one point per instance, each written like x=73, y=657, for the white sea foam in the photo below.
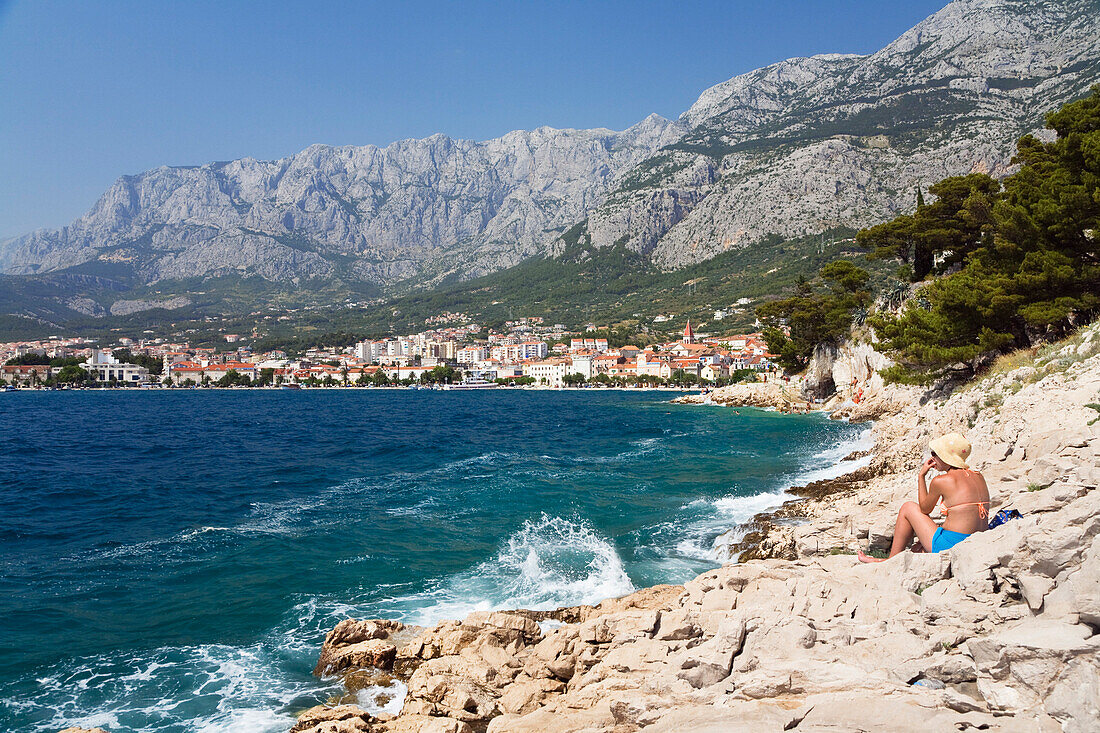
x=353, y=560
x=258, y=720
x=209, y=688
x=377, y=699
x=829, y=462
x=548, y=562
x=215, y=688
x=478, y=460
x=718, y=515
x=713, y=517
x=414, y=510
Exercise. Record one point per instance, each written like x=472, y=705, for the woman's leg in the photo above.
x=911, y=521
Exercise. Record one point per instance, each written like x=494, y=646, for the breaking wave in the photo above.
x=210, y=688
x=548, y=562
x=707, y=519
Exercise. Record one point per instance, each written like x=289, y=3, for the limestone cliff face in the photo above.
x=417, y=208
x=844, y=369
x=810, y=143
x=795, y=147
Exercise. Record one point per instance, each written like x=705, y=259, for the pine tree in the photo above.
x=1028, y=256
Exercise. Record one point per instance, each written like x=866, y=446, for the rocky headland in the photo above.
x=775, y=394
x=998, y=633
x=792, y=633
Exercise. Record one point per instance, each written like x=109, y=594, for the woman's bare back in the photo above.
x=965, y=500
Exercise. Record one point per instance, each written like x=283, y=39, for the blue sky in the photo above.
x=90, y=91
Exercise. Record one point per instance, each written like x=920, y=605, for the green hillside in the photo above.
x=610, y=286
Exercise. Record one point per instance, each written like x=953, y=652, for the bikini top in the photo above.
x=983, y=508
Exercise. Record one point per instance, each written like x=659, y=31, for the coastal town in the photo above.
x=526, y=352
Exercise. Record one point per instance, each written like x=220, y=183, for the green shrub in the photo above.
x=814, y=316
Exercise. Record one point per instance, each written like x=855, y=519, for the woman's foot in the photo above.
x=864, y=557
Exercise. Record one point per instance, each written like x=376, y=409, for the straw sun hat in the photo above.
x=953, y=449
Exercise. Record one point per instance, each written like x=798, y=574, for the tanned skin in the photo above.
x=957, y=486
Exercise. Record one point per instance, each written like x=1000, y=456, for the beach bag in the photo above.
x=1003, y=516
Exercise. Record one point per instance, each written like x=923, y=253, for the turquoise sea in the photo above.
x=171, y=561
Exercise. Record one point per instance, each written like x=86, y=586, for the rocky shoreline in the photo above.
x=999, y=633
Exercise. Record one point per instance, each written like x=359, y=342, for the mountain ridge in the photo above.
x=837, y=139
x=798, y=146
x=516, y=185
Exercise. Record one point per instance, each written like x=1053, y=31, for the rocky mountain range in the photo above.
x=415, y=208
x=831, y=140
x=799, y=146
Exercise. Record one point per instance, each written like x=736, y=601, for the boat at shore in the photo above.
x=472, y=384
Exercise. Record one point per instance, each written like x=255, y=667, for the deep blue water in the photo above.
x=170, y=561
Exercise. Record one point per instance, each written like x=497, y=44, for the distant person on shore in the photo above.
x=965, y=501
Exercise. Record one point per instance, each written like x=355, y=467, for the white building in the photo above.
x=273, y=364
x=406, y=372
x=507, y=353
x=714, y=372
x=471, y=354
x=402, y=346
x=442, y=350
x=106, y=367
x=549, y=372
x=586, y=344
x=369, y=351
x=534, y=350
x=583, y=364
x=244, y=369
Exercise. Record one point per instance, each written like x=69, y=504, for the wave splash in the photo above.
x=212, y=688
x=702, y=537
x=547, y=563
x=829, y=462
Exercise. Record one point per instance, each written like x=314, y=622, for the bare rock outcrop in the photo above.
x=845, y=370
x=334, y=719
x=773, y=394
x=127, y=307
x=355, y=644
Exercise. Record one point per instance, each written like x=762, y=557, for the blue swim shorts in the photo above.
x=945, y=539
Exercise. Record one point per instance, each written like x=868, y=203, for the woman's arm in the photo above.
x=927, y=497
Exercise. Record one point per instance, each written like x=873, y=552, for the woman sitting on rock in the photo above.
x=965, y=501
